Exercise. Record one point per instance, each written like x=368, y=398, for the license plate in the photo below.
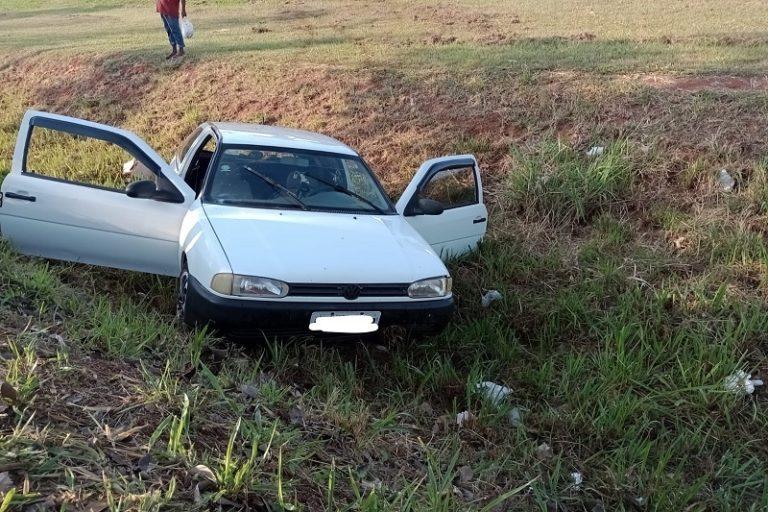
x=348, y=322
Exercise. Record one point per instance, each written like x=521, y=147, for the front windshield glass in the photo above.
x=296, y=179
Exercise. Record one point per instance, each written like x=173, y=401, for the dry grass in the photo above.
x=633, y=284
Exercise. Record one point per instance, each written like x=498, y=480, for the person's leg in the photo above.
x=169, y=31
x=173, y=23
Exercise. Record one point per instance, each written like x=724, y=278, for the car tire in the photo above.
x=182, y=306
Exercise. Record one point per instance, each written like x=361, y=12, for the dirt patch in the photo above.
x=106, y=89
x=706, y=83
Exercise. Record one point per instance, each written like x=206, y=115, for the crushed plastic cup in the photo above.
x=726, y=181
x=741, y=383
x=595, y=151
x=496, y=393
x=515, y=417
x=490, y=296
x=464, y=418
x=577, y=480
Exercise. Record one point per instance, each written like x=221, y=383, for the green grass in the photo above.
x=632, y=284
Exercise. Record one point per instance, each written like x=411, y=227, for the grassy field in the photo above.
x=632, y=283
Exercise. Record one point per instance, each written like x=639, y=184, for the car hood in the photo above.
x=319, y=247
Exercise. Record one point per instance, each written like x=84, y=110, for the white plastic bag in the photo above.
x=187, y=29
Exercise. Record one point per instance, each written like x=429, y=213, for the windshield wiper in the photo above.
x=339, y=188
x=277, y=187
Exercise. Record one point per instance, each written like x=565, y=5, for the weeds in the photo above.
x=564, y=186
x=632, y=286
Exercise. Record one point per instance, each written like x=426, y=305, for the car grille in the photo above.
x=350, y=290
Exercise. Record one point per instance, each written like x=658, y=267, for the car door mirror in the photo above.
x=147, y=190
x=425, y=206
x=144, y=189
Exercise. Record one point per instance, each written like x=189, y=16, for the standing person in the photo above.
x=169, y=12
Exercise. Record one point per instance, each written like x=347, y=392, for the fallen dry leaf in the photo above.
x=7, y=391
x=204, y=472
x=96, y=506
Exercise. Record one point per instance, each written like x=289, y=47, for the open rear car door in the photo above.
x=65, y=212
x=444, y=203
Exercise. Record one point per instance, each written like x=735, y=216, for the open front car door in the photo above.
x=92, y=193
x=444, y=203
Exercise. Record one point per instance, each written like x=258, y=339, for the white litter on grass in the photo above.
x=464, y=417
x=726, y=180
x=496, y=393
x=741, y=383
x=544, y=451
x=515, y=417
x=577, y=480
x=595, y=151
x=490, y=296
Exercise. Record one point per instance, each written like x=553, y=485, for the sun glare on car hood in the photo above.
x=317, y=247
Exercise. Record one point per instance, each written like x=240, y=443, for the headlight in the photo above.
x=430, y=288
x=249, y=286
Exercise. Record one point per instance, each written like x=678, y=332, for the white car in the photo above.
x=267, y=228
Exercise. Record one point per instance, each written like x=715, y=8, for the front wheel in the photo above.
x=182, y=304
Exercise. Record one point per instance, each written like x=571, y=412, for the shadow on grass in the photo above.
x=558, y=53
x=58, y=11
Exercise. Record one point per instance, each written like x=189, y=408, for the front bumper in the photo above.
x=231, y=313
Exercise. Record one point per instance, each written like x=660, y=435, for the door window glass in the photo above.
x=83, y=160
x=452, y=187
x=187, y=144
x=198, y=166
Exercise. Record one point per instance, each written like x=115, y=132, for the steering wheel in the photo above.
x=299, y=185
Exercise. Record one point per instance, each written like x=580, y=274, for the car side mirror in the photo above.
x=146, y=189
x=425, y=206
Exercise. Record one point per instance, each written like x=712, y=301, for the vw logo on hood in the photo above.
x=351, y=291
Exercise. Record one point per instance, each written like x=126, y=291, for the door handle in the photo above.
x=479, y=220
x=14, y=195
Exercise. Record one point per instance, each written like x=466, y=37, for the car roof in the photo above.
x=276, y=136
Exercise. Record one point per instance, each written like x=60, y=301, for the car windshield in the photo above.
x=296, y=179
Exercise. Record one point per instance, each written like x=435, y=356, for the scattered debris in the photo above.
x=249, y=390
x=6, y=483
x=144, y=464
x=726, y=181
x=465, y=417
x=371, y=485
x=465, y=475
x=543, y=451
x=515, y=417
x=595, y=151
x=296, y=415
x=741, y=383
x=490, y=296
x=577, y=480
x=496, y=393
